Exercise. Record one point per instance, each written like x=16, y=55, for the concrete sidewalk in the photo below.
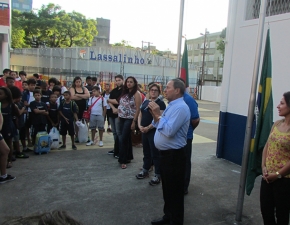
x=92, y=187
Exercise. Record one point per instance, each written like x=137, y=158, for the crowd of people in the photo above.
x=29, y=106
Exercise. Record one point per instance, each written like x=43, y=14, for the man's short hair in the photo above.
x=22, y=73
x=31, y=81
x=88, y=78
x=6, y=71
x=179, y=78
x=119, y=76
x=94, y=79
x=67, y=92
x=37, y=91
x=177, y=83
x=96, y=88
x=52, y=80
x=15, y=91
x=10, y=78
x=25, y=82
x=56, y=88
x=36, y=75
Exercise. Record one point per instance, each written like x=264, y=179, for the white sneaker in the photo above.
x=90, y=143
x=101, y=144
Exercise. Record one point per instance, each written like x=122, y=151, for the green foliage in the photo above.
x=123, y=43
x=54, y=27
x=156, y=52
x=221, y=44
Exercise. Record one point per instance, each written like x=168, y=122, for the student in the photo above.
x=68, y=110
x=22, y=75
x=109, y=112
x=24, y=85
x=38, y=112
x=17, y=79
x=4, y=151
x=57, y=91
x=8, y=109
x=89, y=85
x=98, y=111
x=37, y=79
x=53, y=116
x=45, y=92
x=6, y=73
x=27, y=98
x=10, y=81
x=16, y=96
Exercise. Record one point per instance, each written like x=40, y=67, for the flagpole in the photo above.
x=179, y=37
x=252, y=102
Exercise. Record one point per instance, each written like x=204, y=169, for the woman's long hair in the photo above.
x=126, y=89
x=8, y=94
x=75, y=79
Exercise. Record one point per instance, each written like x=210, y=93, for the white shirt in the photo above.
x=98, y=106
x=63, y=89
x=106, y=97
x=31, y=99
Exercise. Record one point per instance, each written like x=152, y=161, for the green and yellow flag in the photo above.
x=263, y=121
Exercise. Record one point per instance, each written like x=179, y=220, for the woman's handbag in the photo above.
x=87, y=113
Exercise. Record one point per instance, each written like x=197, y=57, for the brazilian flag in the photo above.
x=263, y=121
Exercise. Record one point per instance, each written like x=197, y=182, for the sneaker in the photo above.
x=21, y=155
x=116, y=156
x=101, y=144
x=155, y=181
x=74, y=147
x=27, y=150
x=8, y=178
x=142, y=175
x=90, y=143
x=62, y=147
x=89, y=140
x=111, y=152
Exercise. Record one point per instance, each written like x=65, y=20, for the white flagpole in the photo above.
x=179, y=37
x=251, y=108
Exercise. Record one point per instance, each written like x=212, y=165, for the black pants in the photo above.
x=172, y=166
x=275, y=201
x=188, y=151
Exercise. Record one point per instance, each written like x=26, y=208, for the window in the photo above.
x=220, y=71
x=24, y=6
x=197, y=46
x=195, y=59
x=16, y=5
x=212, y=44
x=211, y=58
x=210, y=71
x=274, y=7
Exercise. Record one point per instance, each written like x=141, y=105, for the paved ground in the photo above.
x=90, y=185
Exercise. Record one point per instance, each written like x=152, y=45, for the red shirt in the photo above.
x=2, y=82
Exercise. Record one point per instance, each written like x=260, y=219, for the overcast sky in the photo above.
x=154, y=21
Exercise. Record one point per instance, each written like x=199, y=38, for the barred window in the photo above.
x=274, y=7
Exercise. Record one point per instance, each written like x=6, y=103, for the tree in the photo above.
x=123, y=43
x=54, y=27
x=18, y=34
x=221, y=44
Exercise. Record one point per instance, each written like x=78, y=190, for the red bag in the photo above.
x=87, y=113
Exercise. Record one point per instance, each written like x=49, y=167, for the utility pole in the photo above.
x=218, y=70
x=148, y=42
x=203, y=59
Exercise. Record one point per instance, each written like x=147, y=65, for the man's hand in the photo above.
x=154, y=110
x=115, y=110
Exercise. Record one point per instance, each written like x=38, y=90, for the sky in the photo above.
x=154, y=21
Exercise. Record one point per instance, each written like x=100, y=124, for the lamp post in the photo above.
x=203, y=58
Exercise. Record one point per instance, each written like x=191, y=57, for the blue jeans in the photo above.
x=114, y=124
x=151, y=153
x=126, y=151
x=188, y=151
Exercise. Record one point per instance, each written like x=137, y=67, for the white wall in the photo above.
x=211, y=93
x=239, y=69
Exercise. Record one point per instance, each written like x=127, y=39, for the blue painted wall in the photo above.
x=231, y=136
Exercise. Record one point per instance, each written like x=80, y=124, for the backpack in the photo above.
x=72, y=103
x=42, y=143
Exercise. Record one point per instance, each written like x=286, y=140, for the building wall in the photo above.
x=213, y=57
x=241, y=42
x=103, y=37
x=5, y=12
x=69, y=62
x=22, y=5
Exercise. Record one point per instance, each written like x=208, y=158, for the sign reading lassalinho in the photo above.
x=116, y=58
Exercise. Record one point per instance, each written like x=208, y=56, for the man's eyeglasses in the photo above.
x=154, y=90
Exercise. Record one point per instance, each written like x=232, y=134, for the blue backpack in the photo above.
x=42, y=143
